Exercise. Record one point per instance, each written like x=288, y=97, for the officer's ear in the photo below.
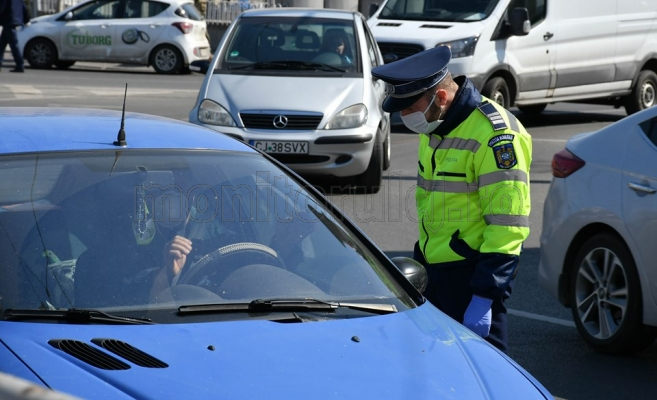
x=442, y=97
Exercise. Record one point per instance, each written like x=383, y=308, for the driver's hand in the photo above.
x=175, y=254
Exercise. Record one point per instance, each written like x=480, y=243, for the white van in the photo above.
x=530, y=53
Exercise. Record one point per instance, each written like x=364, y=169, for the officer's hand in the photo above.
x=478, y=316
x=175, y=254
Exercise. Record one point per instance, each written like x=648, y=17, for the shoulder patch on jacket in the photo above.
x=493, y=116
x=505, y=156
x=496, y=139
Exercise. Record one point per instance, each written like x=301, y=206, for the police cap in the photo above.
x=407, y=79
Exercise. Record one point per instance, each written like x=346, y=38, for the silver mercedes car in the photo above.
x=296, y=83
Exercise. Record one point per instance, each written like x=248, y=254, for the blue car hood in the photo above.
x=419, y=353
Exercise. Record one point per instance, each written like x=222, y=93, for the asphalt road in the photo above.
x=542, y=335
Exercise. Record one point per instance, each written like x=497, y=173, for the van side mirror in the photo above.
x=200, y=66
x=373, y=8
x=520, y=24
x=68, y=16
x=413, y=271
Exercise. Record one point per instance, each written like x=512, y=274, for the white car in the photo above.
x=166, y=34
x=598, y=253
x=277, y=83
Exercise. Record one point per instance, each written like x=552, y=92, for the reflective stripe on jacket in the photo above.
x=472, y=192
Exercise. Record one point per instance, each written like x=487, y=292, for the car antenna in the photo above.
x=120, y=140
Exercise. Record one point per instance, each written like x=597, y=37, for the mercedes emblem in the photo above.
x=280, y=121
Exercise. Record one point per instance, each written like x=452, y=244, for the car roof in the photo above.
x=41, y=129
x=300, y=12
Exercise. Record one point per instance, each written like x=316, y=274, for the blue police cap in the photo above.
x=407, y=79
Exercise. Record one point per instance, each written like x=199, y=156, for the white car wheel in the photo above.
x=605, y=297
x=166, y=59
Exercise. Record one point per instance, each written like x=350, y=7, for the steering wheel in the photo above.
x=200, y=272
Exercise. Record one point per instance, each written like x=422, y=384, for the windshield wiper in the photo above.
x=73, y=316
x=288, y=65
x=267, y=305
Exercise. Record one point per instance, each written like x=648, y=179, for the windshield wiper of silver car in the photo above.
x=288, y=65
x=74, y=316
x=295, y=305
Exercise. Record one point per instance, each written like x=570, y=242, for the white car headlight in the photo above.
x=462, y=47
x=212, y=113
x=350, y=117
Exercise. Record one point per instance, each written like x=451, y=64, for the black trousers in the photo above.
x=8, y=36
x=450, y=291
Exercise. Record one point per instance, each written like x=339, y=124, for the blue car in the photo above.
x=148, y=258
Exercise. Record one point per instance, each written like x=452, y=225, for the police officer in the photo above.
x=472, y=194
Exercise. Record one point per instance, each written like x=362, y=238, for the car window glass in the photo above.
x=536, y=8
x=290, y=42
x=97, y=241
x=189, y=11
x=143, y=9
x=103, y=9
x=649, y=128
x=438, y=10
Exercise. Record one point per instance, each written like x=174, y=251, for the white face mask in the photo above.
x=417, y=122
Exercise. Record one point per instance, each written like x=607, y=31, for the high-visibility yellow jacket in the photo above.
x=472, y=193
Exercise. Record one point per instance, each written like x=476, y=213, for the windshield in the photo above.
x=438, y=10
x=95, y=230
x=292, y=44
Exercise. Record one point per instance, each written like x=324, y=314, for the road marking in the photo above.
x=24, y=91
x=542, y=318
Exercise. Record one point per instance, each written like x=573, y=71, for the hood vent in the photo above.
x=388, y=24
x=435, y=26
x=130, y=353
x=88, y=354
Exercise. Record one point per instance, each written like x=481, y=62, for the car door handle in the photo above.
x=548, y=35
x=106, y=26
x=641, y=188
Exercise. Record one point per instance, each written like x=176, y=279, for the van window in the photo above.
x=536, y=8
x=438, y=10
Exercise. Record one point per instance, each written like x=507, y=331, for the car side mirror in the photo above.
x=200, y=66
x=68, y=16
x=373, y=8
x=413, y=271
x=519, y=21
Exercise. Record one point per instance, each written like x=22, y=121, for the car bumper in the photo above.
x=338, y=152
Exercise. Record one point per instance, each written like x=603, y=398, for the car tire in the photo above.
x=370, y=181
x=533, y=109
x=644, y=93
x=64, y=64
x=40, y=53
x=605, y=297
x=497, y=90
x=387, y=150
x=166, y=59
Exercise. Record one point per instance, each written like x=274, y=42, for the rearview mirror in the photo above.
x=68, y=16
x=413, y=271
x=520, y=24
x=200, y=66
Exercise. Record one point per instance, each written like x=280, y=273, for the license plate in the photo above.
x=280, y=147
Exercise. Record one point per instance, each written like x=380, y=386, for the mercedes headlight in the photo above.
x=462, y=47
x=212, y=113
x=350, y=117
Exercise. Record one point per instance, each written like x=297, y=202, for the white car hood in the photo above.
x=326, y=95
x=421, y=32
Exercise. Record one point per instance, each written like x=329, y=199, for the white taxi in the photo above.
x=166, y=34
